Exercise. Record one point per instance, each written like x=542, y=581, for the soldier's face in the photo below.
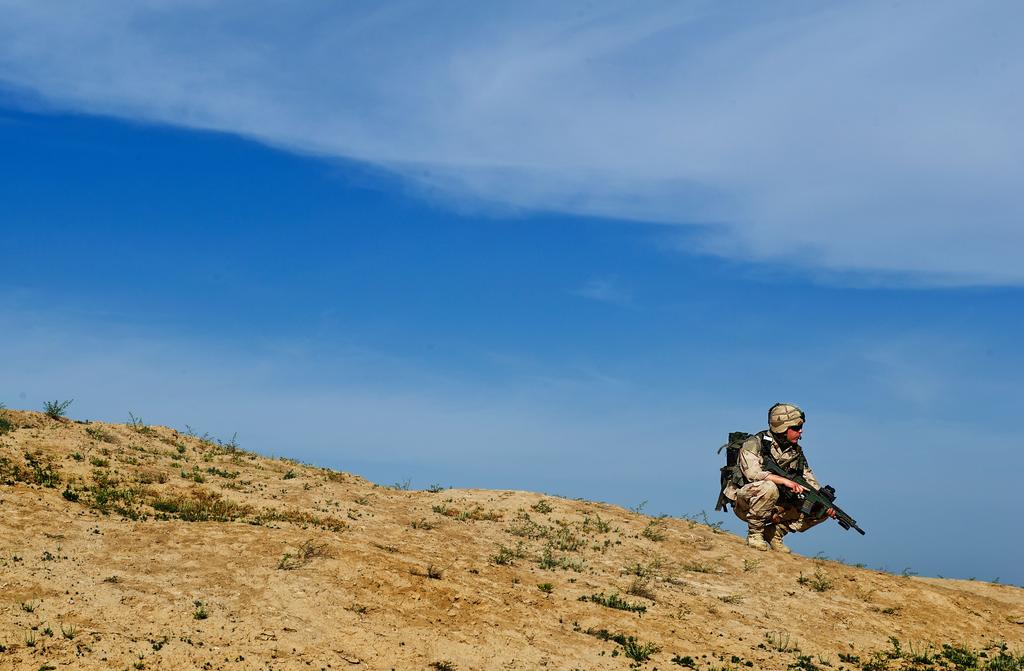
x=793, y=433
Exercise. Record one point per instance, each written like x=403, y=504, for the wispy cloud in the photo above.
x=605, y=290
x=863, y=137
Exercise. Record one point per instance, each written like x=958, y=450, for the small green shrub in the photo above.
x=96, y=433
x=542, y=507
x=959, y=656
x=653, y=531
x=804, y=663
x=506, y=556
x=596, y=523
x=780, y=641
x=631, y=647
x=307, y=552
x=615, y=601
x=56, y=409
x=819, y=582
x=44, y=474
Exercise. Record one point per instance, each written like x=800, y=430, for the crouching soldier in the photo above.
x=764, y=500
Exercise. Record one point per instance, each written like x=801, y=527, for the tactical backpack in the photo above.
x=731, y=471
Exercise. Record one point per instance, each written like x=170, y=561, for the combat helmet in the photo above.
x=781, y=416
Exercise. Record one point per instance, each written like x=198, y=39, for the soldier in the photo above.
x=763, y=501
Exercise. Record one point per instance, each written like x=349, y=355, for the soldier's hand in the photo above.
x=795, y=488
x=831, y=512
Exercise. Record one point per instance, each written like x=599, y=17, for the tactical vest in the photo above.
x=731, y=473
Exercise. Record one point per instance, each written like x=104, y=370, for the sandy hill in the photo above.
x=139, y=547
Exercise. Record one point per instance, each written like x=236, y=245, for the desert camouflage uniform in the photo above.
x=757, y=502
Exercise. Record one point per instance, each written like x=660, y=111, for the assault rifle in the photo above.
x=813, y=502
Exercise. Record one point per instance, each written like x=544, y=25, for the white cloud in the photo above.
x=865, y=137
x=605, y=290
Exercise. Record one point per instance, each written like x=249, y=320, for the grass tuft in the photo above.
x=615, y=601
x=819, y=582
x=631, y=647
x=307, y=552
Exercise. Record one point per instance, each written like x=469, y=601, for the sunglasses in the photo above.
x=798, y=428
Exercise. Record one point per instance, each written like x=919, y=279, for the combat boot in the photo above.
x=774, y=534
x=755, y=538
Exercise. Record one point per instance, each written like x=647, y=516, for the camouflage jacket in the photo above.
x=751, y=464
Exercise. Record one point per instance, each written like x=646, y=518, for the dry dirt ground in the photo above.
x=138, y=547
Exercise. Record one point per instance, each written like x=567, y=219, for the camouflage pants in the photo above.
x=757, y=504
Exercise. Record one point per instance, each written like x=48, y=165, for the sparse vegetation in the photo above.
x=542, y=507
x=548, y=560
x=654, y=530
x=307, y=552
x=506, y=556
x=35, y=472
x=56, y=409
x=698, y=567
x=219, y=472
x=641, y=586
x=618, y=553
x=780, y=641
x=200, y=505
x=596, y=524
x=615, y=601
x=819, y=582
x=96, y=433
x=956, y=657
x=702, y=519
x=476, y=513
x=631, y=647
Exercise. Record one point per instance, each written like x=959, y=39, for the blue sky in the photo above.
x=564, y=250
